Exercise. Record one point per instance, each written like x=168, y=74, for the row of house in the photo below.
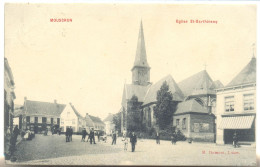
x=205, y=110
x=38, y=116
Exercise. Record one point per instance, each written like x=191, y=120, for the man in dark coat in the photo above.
x=133, y=140
x=71, y=133
x=16, y=132
x=114, y=138
x=157, y=138
x=92, y=136
x=84, y=133
x=235, y=140
x=67, y=133
x=174, y=138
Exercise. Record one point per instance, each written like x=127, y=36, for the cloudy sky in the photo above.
x=87, y=61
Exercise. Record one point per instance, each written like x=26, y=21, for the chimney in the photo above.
x=55, y=101
x=25, y=98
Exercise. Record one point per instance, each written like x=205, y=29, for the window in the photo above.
x=36, y=119
x=229, y=103
x=177, y=122
x=68, y=113
x=43, y=119
x=73, y=121
x=28, y=119
x=249, y=102
x=51, y=120
x=184, y=123
x=62, y=121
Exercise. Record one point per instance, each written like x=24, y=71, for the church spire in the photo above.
x=141, y=69
x=140, y=57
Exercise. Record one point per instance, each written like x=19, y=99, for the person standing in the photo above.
x=125, y=140
x=16, y=132
x=71, y=133
x=157, y=138
x=92, y=136
x=133, y=141
x=98, y=135
x=114, y=138
x=84, y=133
x=174, y=137
x=235, y=140
x=67, y=133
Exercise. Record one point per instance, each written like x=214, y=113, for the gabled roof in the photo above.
x=43, y=108
x=109, y=118
x=140, y=58
x=137, y=90
x=96, y=119
x=75, y=111
x=247, y=75
x=151, y=94
x=89, y=121
x=18, y=110
x=218, y=84
x=190, y=106
x=197, y=84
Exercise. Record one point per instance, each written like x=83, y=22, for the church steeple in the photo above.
x=141, y=69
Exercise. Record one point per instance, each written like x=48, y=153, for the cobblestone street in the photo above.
x=50, y=150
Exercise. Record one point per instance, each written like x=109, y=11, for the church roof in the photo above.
x=43, y=108
x=109, y=118
x=190, y=106
x=197, y=84
x=173, y=87
x=218, y=84
x=140, y=57
x=247, y=75
x=137, y=90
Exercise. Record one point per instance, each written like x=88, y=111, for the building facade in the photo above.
x=9, y=96
x=195, y=116
x=37, y=116
x=109, y=125
x=236, y=107
x=70, y=117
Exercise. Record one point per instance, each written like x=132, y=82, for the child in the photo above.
x=125, y=140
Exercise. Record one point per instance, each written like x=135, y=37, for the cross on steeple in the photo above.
x=205, y=66
x=253, y=49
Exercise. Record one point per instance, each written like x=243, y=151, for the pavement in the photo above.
x=53, y=150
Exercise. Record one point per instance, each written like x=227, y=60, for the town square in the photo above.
x=92, y=84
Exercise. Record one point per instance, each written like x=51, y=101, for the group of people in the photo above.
x=133, y=141
x=173, y=138
x=69, y=133
x=91, y=136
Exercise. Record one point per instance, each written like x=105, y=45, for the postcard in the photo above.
x=130, y=84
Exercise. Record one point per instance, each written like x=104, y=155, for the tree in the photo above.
x=163, y=110
x=117, y=121
x=133, y=114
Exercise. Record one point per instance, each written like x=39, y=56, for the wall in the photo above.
x=69, y=118
x=238, y=93
x=206, y=130
x=185, y=131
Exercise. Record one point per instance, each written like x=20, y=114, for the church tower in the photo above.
x=141, y=69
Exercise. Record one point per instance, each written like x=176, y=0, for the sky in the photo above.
x=87, y=61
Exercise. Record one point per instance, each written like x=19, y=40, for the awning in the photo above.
x=237, y=122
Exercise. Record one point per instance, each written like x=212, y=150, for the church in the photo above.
x=194, y=98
